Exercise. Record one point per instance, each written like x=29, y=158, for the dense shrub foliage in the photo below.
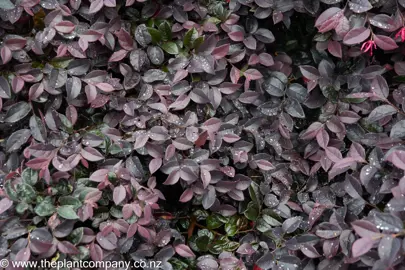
x=248, y=134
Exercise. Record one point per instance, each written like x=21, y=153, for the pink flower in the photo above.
x=369, y=46
x=401, y=33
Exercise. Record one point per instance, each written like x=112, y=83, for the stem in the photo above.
x=203, y=227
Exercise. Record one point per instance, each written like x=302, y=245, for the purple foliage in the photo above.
x=264, y=134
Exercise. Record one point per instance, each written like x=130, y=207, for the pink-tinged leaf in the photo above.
x=398, y=159
x=129, y=3
x=205, y=177
x=231, y=138
x=356, y=36
x=266, y=59
x=144, y=233
x=335, y=48
x=264, y=165
x=362, y=246
x=380, y=87
x=91, y=35
x=309, y=251
x=365, y=228
x=184, y=251
x=96, y=252
x=182, y=144
x=235, y=75
x=119, y=194
x=141, y=140
x=38, y=163
x=357, y=152
x=221, y=51
x=99, y=175
x=170, y=151
x=35, y=91
x=91, y=154
x=17, y=84
x=65, y=27
x=236, y=36
x=181, y=102
x=180, y=75
x=5, y=204
x=15, y=44
x=110, y=3
x=248, y=97
x=173, y=178
x=322, y=138
x=310, y=72
x=67, y=248
x=326, y=15
x=187, y=195
x=315, y=214
x=385, y=43
x=23, y=255
x=228, y=171
x=212, y=125
x=132, y=229
x=341, y=166
x=93, y=196
x=71, y=114
x=246, y=249
x=125, y=39
x=106, y=87
x=91, y=93
x=311, y=131
x=253, y=60
x=99, y=101
x=5, y=54
x=349, y=117
x=329, y=19
x=118, y=56
x=154, y=165
x=229, y=88
x=333, y=154
x=252, y=74
x=61, y=51
x=95, y=6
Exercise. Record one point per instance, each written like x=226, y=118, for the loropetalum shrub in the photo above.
x=260, y=134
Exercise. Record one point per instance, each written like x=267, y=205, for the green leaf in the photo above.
x=330, y=93
x=255, y=194
x=67, y=212
x=21, y=207
x=26, y=192
x=84, y=254
x=202, y=243
x=214, y=222
x=201, y=214
x=29, y=176
x=76, y=235
x=252, y=211
x=11, y=193
x=205, y=232
x=271, y=221
x=231, y=246
x=231, y=229
x=67, y=125
x=72, y=201
x=400, y=79
x=190, y=37
x=198, y=42
x=156, y=37
x=6, y=4
x=166, y=31
x=262, y=225
x=45, y=208
x=170, y=47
